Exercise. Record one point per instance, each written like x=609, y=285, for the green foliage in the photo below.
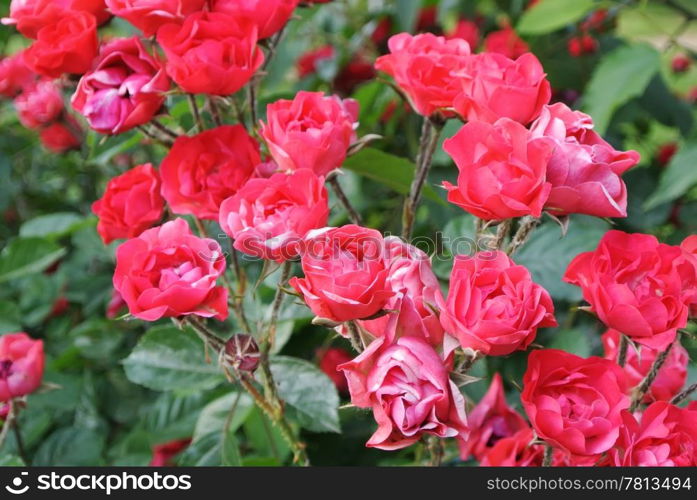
x=550, y=15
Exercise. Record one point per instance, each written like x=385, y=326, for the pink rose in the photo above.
x=494, y=86
x=149, y=15
x=169, y=272
x=345, y=273
x=574, y=403
x=493, y=305
x=312, y=131
x=405, y=382
x=39, y=104
x=502, y=170
x=671, y=377
x=14, y=75
x=491, y=421
x=200, y=172
x=662, y=436
x=270, y=16
x=424, y=67
x=211, y=53
x=21, y=365
x=636, y=285
x=517, y=450
x=268, y=218
x=126, y=88
x=584, y=170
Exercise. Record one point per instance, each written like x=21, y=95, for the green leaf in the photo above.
x=52, y=226
x=11, y=461
x=216, y=415
x=648, y=22
x=167, y=358
x=10, y=320
x=574, y=341
x=407, y=12
x=678, y=178
x=70, y=446
x=392, y=171
x=549, y=15
x=308, y=392
x=547, y=254
x=25, y=256
x=622, y=75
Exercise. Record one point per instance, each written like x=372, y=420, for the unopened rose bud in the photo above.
x=242, y=352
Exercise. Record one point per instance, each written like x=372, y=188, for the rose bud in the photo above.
x=405, y=382
x=163, y=454
x=329, y=360
x=493, y=305
x=21, y=365
x=584, y=170
x=200, y=172
x=681, y=63
x=666, y=153
x=312, y=131
x=39, y=104
x=14, y=75
x=268, y=218
x=169, y=272
x=636, y=285
x=671, y=376
x=29, y=16
x=494, y=86
x=502, y=170
x=663, y=435
x=126, y=87
x=491, y=421
x=424, y=68
x=59, y=137
x=211, y=53
x=131, y=204
x=242, y=353
x=506, y=42
x=308, y=63
x=584, y=44
x=345, y=273
x=270, y=16
x=574, y=403
x=149, y=15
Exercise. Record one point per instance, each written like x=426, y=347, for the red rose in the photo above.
x=494, y=86
x=169, y=272
x=345, y=273
x=200, y=172
x=574, y=403
x=60, y=137
x=39, y=104
x=149, y=15
x=584, y=170
x=269, y=16
x=30, y=16
x=662, y=436
x=424, y=68
x=405, y=382
x=308, y=62
x=163, y=454
x=671, y=377
x=506, y=42
x=466, y=30
x=502, y=170
x=517, y=450
x=14, y=75
x=268, y=218
x=211, y=53
x=491, y=421
x=312, y=131
x=124, y=89
x=329, y=360
x=67, y=46
x=21, y=365
x=636, y=285
x=131, y=204
x=493, y=305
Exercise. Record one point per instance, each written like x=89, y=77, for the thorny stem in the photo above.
x=622, y=350
x=214, y=111
x=276, y=304
x=525, y=228
x=196, y=112
x=684, y=394
x=147, y=133
x=436, y=450
x=252, y=103
x=11, y=423
x=354, y=336
x=430, y=132
x=343, y=199
x=239, y=293
x=502, y=231
x=164, y=129
x=547, y=459
x=641, y=390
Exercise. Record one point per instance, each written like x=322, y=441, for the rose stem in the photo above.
x=252, y=96
x=355, y=336
x=273, y=410
x=684, y=394
x=430, y=131
x=547, y=459
x=239, y=293
x=435, y=449
x=525, y=228
x=195, y=111
x=641, y=390
x=276, y=304
x=12, y=422
x=622, y=351
x=165, y=130
x=215, y=111
x=354, y=216
x=147, y=133
x=502, y=231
